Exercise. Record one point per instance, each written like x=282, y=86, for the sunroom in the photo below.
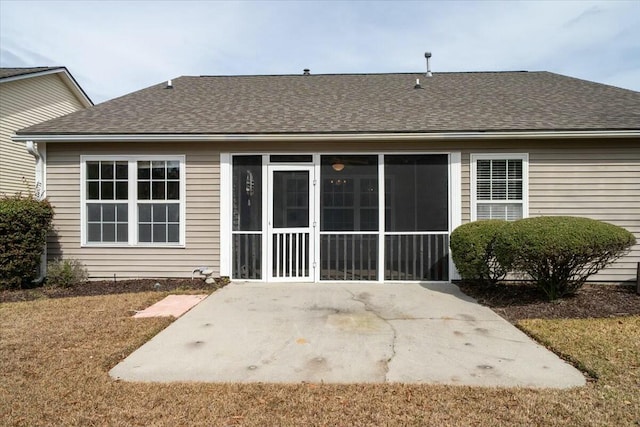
x=318, y=217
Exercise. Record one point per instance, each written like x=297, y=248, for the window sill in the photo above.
x=137, y=245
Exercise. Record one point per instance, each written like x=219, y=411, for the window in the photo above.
x=349, y=193
x=417, y=192
x=499, y=186
x=247, y=217
x=107, y=195
x=133, y=200
x=159, y=201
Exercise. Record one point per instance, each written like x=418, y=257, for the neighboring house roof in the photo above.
x=13, y=74
x=358, y=103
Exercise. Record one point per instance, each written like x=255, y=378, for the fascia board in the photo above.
x=418, y=136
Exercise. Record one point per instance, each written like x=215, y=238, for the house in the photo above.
x=333, y=177
x=29, y=96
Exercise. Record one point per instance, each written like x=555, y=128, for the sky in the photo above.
x=116, y=47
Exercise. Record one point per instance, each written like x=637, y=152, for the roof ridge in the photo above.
x=406, y=73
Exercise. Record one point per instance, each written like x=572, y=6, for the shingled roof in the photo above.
x=13, y=72
x=358, y=103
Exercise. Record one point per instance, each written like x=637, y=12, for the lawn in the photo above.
x=55, y=355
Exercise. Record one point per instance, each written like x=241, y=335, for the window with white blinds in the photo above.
x=498, y=186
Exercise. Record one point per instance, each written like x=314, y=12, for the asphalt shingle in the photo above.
x=354, y=103
x=13, y=72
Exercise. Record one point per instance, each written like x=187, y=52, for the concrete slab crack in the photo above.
x=370, y=309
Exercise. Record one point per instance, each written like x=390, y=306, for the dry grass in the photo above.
x=55, y=355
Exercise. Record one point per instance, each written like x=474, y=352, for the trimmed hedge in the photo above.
x=24, y=222
x=472, y=251
x=561, y=252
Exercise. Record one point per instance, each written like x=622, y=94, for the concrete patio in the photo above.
x=345, y=333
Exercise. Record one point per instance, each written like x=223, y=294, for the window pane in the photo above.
x=417, y=192
x=484, y=190
x=94, y=232
x=157, y=170
x=286, y=214
x=157, y=190
x=174, y=233
x=106, y=190
x=483, y=211
x=144, y=233
x=499, y=190
x=291, y=158
x=144, y=190
x=93, y=170
x=159, y=233
x=106, y=170
x=122, y=190
x=369, y=219
x=108, y=213
x=108, y=232
x=247, y=193
x=93, y=212
x=509, y=212
x=173, y=190
x=159, y=213
x=349, y=184
x=144, y=213
x=122, y=232
x=513, y=212
x=122, y=213
x=498, y=169
x=122, y=170
x=483, y=169
x=173, y=170
x=515, y=190
x=504, y=182
x=93, y=190
x=515, y=169
x=144, y=170
x=174, y=213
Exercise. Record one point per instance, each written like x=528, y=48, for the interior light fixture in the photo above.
x=337, y=166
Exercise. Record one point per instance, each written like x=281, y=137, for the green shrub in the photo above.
x=66, y=273
x=561, y=252
x=472, y=251
x=24, y=222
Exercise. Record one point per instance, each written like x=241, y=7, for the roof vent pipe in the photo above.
x=169, y=85
x=428, y=56
x=306, y=72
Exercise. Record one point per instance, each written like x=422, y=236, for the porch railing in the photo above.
x=416, y=256
x=348, y=256
x=247, y=256
x=290, y=254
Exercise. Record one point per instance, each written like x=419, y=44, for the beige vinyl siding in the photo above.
x=202, y=243
x=23, y=103
x=599, y=183
x=598, y=179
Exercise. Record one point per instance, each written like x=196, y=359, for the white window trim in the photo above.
x=499, y=156
x=132, y=200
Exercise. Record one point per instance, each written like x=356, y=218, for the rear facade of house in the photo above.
x=333, y=177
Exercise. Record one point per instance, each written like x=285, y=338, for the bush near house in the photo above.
x=24, y=222
x=472, y=251
x=65, y=273
x=561, y=252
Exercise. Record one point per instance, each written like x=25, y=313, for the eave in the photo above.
x=315, y=137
